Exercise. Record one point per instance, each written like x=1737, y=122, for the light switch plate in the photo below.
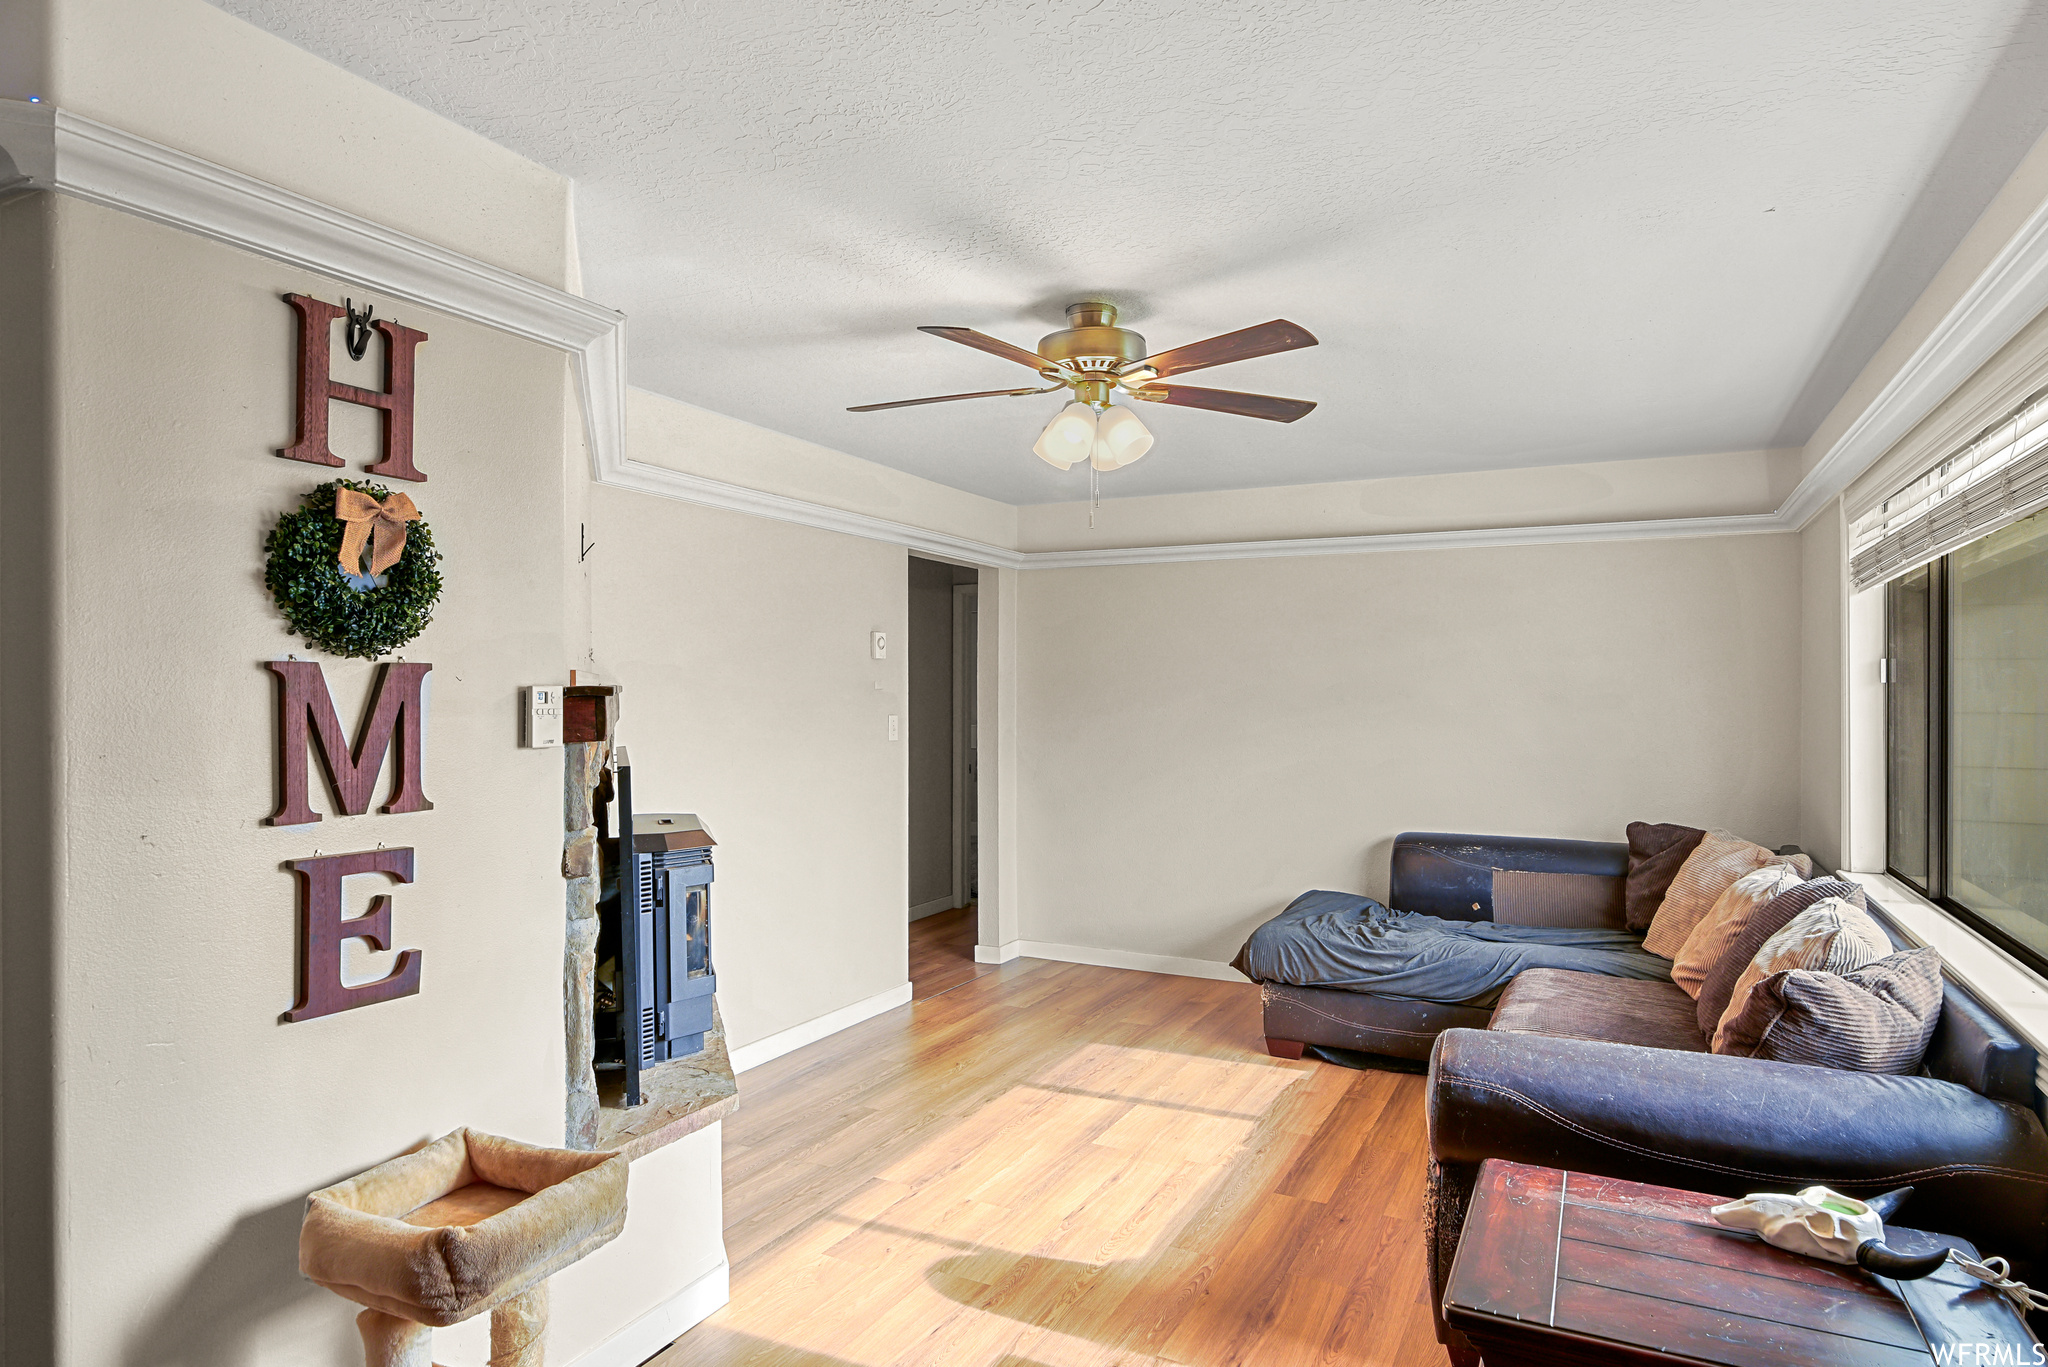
x=878, y=644
x=892, y=726
x=541, y=717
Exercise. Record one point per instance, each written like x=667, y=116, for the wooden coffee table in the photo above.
x=1563, y=1268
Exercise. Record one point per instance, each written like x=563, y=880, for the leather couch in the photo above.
x=1515, y=880
x=1611, y=1076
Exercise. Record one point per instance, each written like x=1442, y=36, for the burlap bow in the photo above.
x=382, y=525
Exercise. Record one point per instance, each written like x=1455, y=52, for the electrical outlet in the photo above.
x=878, y=644
x=892, y=727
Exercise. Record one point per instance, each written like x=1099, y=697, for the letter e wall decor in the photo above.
x=322, y=928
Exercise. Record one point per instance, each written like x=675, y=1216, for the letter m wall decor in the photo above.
x=306, y=719
x=317, y=388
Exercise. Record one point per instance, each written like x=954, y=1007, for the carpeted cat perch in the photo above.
x=470, y=1223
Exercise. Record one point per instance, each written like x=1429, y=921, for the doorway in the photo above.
x=944, y=621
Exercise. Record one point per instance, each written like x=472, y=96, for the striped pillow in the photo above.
x=1734, y=906
x=1709, y=871
x=1874, y=1019
x=1831, y=936
x=1744, y=939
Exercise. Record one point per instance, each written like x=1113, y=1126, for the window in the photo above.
x=1967, y=717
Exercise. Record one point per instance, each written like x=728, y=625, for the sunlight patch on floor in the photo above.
x=1041, y=1229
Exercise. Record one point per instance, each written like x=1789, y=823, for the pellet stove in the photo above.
x=654, y=976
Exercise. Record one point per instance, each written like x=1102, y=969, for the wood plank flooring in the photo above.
x=942, y=953
x=1055, y=1165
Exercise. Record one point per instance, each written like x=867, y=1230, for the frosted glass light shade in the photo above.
x=1119, y=439
x=1068, y=437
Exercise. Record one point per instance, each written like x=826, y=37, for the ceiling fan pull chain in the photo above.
x=1094, y=492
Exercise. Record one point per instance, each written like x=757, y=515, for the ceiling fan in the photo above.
x=1096, y=359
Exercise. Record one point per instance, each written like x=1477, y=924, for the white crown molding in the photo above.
x=2011, y=293
x=44, y=148
x=1733, y=524
x=676, y=484
x=714, y=493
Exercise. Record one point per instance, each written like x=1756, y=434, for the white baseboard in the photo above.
x=999, y=954
x=1119, y=958
x=665, y=1323
x=831, y=1023
x=933, y=907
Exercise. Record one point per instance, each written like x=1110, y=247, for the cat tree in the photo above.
x=470, y=1223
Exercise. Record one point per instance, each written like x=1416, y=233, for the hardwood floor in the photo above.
x=942, y=953
x=1055, y=1165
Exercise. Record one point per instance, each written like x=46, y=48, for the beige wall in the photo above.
x=25, y=51
x=184, y=1104
x=997, y=659
x=672, y=435
x=31, y=822
x=1606, y=491
x=752, y=701
x=1823, y=720
x=1201, y=742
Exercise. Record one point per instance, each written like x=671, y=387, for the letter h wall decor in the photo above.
x=317, y=388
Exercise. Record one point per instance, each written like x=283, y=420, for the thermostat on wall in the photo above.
x=542, y=715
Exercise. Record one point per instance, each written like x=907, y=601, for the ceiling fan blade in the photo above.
x=947, y=398
x=981, y=341
x=1242, y=345
x=1227, y=401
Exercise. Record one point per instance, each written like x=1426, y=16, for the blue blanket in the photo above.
x=1341, y=940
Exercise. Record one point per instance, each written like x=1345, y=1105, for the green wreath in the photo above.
x=363, y=617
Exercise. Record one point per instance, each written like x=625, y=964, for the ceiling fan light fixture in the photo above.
x=1069, y=437
x=1094, y=360
x=1120, y=439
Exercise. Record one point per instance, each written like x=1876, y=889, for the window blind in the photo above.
x=1999, y=476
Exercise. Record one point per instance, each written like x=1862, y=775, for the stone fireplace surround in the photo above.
x=683, y=1095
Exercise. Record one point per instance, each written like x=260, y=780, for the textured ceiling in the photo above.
x=1526, y=233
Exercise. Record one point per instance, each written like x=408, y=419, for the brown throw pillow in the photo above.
x=1697, y=899
x=1654, y=856
x=1745, y=940
x=1875, y=1019
x=1831, y=936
